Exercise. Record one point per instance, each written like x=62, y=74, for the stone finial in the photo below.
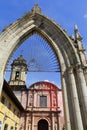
x=72, y=37
x=36, y=9
x=77, y=34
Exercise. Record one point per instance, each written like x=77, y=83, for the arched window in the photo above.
x=17, y=75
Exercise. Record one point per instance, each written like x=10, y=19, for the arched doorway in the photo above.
x=42, y=125
x=69, y=52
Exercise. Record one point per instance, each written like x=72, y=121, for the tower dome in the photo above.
x=19, y=61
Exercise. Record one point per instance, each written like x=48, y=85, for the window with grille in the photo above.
x=43, y=101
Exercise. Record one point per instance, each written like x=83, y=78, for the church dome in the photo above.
x=19, y=61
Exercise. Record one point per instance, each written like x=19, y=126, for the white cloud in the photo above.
x=85, y=16
x=47, y=80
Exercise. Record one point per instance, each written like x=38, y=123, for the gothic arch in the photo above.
x=70, y=63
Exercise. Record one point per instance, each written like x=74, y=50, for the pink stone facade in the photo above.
x=43, y=107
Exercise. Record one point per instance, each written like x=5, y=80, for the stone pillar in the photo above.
x=57, y=121
x=75, y=102
x=56, y=127
x=66, y=105
x=82, y=90
x=29, y=126
x=53, y=122
x=32, y=122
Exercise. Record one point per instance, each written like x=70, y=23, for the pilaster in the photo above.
x=32, y=121
x=53, y=121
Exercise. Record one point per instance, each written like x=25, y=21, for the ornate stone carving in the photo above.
x=77, y=34
x=36, y=9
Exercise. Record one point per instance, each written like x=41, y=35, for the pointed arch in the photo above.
x=35, y=22
x=19, y=31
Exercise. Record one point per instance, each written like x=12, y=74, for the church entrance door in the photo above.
x=42, y=125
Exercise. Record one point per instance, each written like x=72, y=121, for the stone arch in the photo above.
x=43, y=124
x=44, y=119
x=75, y=88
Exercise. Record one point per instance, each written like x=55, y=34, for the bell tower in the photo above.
x=18, y=76
x=18, y=71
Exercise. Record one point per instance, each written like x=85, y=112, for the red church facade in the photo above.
x=43, y=107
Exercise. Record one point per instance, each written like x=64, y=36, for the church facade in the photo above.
x=44, y=108
x=42, y=101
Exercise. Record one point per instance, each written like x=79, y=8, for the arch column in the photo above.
x=65, y=102
x=75, y=102
x=82, y=90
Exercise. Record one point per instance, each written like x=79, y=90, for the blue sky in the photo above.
x=67, y=13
